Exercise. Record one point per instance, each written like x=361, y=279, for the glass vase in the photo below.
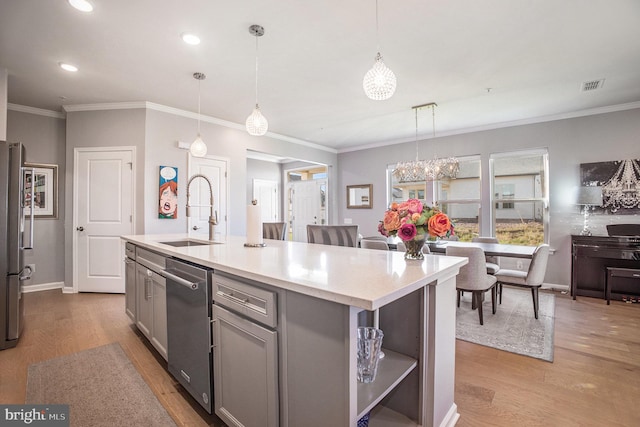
x=414, y=247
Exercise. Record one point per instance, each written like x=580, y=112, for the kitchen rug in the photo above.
x=513, y=328
x=101, y=387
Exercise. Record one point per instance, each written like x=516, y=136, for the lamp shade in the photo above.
x=379, y=83
x=198, y=147
x=591, y=196
x=257, y=124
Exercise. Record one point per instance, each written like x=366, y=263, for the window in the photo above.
x=519, y=182
x=460, y=198
x=504, y=192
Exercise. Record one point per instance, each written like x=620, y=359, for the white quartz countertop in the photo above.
x=364, y=278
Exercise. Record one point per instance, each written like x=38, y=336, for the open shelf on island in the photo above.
x=382, y=416
x=392, y=369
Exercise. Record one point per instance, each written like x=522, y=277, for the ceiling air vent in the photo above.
x=592, y=85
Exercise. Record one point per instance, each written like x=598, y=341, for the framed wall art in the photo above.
x=43, y=179
x=168, y=193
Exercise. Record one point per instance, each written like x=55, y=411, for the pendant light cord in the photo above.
x=433, y=119
x=199, y=81
x=417, y=157
x=377, y=36
x=256, y=71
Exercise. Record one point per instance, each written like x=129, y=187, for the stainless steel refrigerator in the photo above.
x=16, y=236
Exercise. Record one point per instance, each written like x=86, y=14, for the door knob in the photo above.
x=195, y=227
x=80, y=228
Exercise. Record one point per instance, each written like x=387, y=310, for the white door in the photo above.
x=103, y=211
x=267, y=195
x=215, y=169
x=305, y=203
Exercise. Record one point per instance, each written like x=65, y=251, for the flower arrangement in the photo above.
x=412, y=219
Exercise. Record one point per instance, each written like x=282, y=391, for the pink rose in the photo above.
x=410, y=207
x=414, y=206
x=381, y=229
x=408, y=231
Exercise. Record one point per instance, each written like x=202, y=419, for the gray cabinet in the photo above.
x=144, y=305
x=159, y=303
x=245, y=352
x=245, y=371
x=130, y=285
x=146, y=296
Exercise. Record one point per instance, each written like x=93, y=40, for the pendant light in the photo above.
x=257, y=124
x=379, y=83
x=198, y=147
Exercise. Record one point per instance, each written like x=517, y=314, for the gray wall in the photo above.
x=610, y=136
x=3, y=103
x=44, y=141
x=112, y=128
x=155, y=134
x=163, y=130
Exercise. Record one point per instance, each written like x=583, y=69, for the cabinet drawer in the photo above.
x=632, y=273
x=130, y=250
x=256, y=303
x=151, y=260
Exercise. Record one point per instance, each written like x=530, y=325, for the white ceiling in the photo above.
x=533, y=54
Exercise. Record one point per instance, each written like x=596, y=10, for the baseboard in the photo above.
x=451, y=418
x=42, y=287
x=555, y=287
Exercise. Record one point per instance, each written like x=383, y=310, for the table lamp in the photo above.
x=588, y=197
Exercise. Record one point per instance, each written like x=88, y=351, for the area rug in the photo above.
x=101, y=387
x=513, y=328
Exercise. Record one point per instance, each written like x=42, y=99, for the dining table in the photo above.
x=490, y=249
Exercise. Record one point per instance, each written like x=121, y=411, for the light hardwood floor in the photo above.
x=593, y=381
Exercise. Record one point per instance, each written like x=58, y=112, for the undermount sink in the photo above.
x=188, y=242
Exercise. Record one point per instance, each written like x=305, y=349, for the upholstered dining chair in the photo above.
x=473, y=278
x=374, y=244
x=336, y=235
x=532, y=278
x=274, y=230
x=493, y=262
x=401, y=247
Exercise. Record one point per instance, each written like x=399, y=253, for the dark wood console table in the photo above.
x=592, y=255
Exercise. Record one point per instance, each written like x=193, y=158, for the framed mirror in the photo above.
x=360, y=196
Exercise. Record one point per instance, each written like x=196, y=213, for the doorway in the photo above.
x=307, y=199
x=267, y=194
x=215, y=169
x=103, y=210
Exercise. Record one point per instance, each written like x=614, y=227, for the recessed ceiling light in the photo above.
x=68, y=67
x=190, y=38
x=81, y=5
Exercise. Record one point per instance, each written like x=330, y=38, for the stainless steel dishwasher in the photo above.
x=189, y=328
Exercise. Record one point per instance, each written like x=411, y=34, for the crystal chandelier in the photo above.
x=256, y=123
x=198, y=148
x=379, y=83
x=426, y=170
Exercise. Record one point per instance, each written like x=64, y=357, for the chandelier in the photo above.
x=426, y=170
x=379, y=83
x=623, y=188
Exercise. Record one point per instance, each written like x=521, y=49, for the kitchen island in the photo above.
x=320, y=295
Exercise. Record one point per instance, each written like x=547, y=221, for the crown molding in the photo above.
x=533, y=120
x=37, y=111
x=105, y=106
x=190, y=115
